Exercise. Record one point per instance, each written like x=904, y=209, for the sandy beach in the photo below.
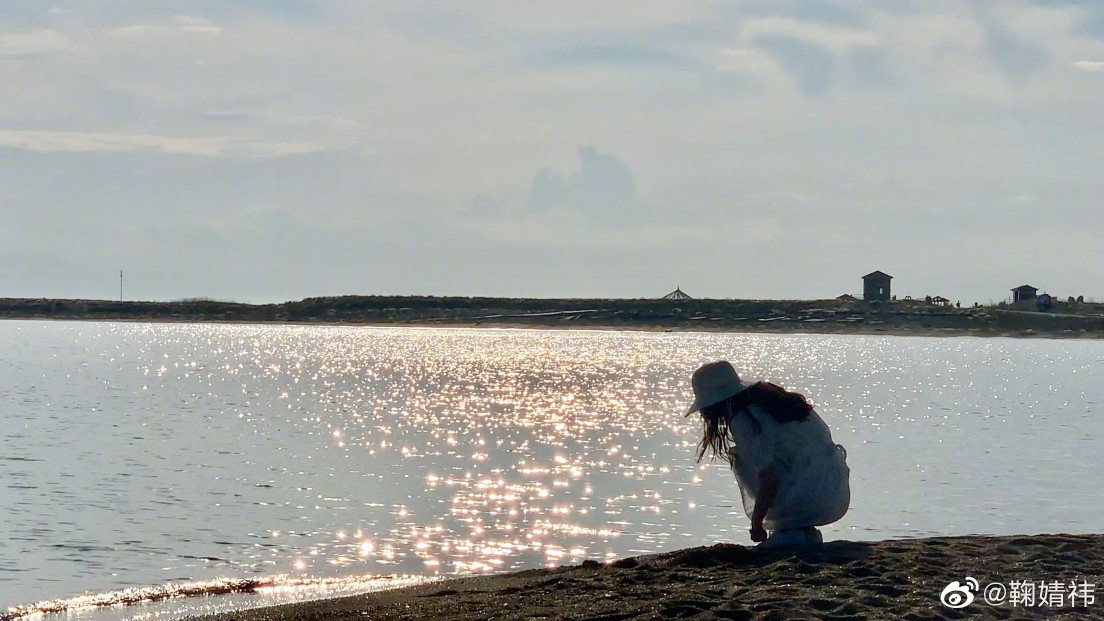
x=896, y=579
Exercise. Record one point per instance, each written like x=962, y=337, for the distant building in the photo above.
x=876, y=287
x=940, y=301
x=847, y=297
x=1024, y=292
x=677, y=294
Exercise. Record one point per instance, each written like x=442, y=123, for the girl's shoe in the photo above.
x=797, y=537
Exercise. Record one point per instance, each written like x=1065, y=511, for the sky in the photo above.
x=261, y=152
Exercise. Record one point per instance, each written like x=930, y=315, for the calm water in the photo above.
x=138, y=454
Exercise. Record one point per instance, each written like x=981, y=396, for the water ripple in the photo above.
x=153, y=453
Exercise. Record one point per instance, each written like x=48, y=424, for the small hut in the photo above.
x=876, y=287
x=1024, y=293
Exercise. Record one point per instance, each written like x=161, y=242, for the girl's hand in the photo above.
x=758, y=534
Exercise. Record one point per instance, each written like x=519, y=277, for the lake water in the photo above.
x=136, y=454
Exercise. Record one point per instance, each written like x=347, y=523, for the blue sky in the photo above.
x=768, y=149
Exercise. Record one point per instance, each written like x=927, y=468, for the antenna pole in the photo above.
x=120, y=285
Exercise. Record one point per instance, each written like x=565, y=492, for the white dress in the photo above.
x=813, y=487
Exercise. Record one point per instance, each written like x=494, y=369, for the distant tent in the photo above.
x=677, y=294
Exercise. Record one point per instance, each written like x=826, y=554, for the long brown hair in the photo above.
x=780, y=404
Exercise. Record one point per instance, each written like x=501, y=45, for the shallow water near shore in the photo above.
x=140, y=454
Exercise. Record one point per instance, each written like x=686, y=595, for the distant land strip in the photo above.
x=1084, y=320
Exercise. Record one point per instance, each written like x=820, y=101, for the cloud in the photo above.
x=325, y=121
x=835, y=38
x=823, y=13
x=806, y=46
x=1091, y=66
x=1013, y=56
x=484, y=207
x=603, y=189
x=702, y=107
x=808, y=64
x=622, y=56
x=32, y=43
x=1090, y=15
x=242, y=116
x=870, y=66
x=89, y=142
x=178, y=25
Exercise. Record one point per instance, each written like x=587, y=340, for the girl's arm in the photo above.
x=764, y=500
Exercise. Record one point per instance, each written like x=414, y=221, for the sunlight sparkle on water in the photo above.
x=481, y=401
x=327, y=451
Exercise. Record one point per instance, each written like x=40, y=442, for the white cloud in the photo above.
x=328, y=121
x=32, y=43
x=1091, y=66
x=603, y=189
x=92, y=142
x=332, y=122
x=180, y=24
x=834, y=38
x=630, y=14
x=806, y=52
x=743, y=61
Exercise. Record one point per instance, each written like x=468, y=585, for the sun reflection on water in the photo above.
x=461, y=453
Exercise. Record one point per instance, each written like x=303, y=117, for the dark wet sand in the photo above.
x=899, y=579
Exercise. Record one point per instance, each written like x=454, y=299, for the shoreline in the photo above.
x=857, y=329
x=850, y=330
x=905, y=318
x=899, y=578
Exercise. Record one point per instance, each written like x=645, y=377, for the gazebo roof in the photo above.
x=677, y=294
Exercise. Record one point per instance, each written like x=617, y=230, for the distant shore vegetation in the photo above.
x=1079, y=319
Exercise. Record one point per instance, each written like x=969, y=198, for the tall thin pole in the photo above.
x=120, y=285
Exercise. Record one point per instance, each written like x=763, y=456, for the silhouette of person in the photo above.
x=792, y=476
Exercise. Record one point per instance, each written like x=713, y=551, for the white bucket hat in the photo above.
x=713, y=383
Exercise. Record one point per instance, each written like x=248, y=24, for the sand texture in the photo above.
x=898, y=579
